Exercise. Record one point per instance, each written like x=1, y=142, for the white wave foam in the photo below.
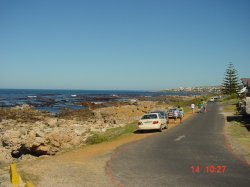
x=32, y=96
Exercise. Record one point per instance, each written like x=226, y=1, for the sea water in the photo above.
x=55, y=100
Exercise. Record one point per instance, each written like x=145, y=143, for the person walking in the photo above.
x=204, y=106
x=182, y=110
x=176, y=114
x=181, y=115
x=199, y=107
x=192, y=106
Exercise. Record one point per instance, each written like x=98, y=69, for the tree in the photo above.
x=230, y=84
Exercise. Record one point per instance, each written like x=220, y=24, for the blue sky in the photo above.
x=132, y=44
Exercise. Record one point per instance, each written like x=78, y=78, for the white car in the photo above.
x=152, y=121
x=211, y=99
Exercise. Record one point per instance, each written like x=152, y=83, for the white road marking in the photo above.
x=179, y=138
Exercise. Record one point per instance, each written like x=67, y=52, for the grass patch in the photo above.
x=187, y=109
x=230, y=108
x=230, y=105
x=230, y=101
x=186, y=103
x=111, y=134
x=238, y=129
x=230, y=97
x=240, y=138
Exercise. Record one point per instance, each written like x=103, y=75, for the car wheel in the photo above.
x=166, y=125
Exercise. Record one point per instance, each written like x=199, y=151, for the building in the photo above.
x=246, y=92
x=246, y=84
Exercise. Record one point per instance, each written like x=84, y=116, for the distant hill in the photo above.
x=196, y=89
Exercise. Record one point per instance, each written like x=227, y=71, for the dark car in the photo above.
x=171, y=113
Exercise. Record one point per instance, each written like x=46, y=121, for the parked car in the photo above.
x=211, y=99
x=152, y=121
x=171, y=113
x=163, y=113
x=214, y=99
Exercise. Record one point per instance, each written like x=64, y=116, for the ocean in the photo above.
x=56, y=100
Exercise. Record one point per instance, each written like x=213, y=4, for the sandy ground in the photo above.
x=81, y=167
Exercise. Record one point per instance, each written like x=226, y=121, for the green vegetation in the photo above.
x=186, y=104
x=230, y=97
x=230, y=108
x=237, y=128
x=231, y=81
x=187, y=109
x=112, y=134
x=230, y=103
x=239, y=137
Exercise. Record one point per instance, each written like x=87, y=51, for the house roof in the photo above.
x=246, y=82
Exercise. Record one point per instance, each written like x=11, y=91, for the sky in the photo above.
x=122, y=44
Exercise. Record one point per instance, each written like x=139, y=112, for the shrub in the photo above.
x=230, y=97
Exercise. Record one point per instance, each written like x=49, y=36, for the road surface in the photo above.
x=192, y=154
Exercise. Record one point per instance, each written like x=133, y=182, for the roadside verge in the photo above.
x=237, y=132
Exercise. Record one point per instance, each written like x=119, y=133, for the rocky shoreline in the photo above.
x=26, y=133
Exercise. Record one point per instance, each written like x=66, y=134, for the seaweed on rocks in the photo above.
x=80, y=115
x=23, y=114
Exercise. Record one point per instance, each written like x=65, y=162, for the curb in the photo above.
x=29, y=184
x=16, y=179
x=14, y=175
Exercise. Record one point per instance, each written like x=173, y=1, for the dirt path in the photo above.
x=82, y=167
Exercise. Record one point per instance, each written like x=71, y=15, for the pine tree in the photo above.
x=230, y=84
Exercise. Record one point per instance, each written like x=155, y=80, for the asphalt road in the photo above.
x=166, y=159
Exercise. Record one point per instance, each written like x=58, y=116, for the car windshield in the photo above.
x=159, y=112
x=150, y=116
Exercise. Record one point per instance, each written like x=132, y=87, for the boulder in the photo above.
x=39, y=133
x=39, y=141
x=52, y=122
x=75, y=141
x=60, y=136
x=5, y=155
x=43, y=150
x=11, y=138
x=32, y=134
x=79, y=131
x=66, y=146
x=55, y=143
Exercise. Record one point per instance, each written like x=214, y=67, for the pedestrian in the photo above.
x=204, y=106
x=179, y=107
x=199, y=107
x=181, y=115
x=182, y=110
x=192, y=106
x=176, y=114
